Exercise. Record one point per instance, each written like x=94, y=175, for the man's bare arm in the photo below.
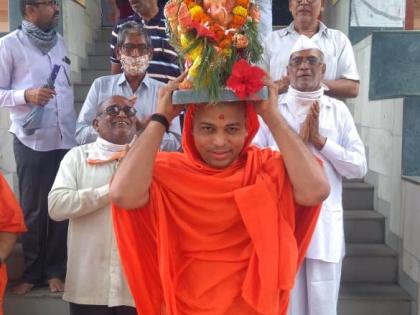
x=308, y=179
x=130, y=185
x=342, y=88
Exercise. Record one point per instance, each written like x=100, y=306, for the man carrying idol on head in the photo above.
x=222, y=227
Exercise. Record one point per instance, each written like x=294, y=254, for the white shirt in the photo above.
x=81, y=194
x=337, y=49
x=107, y=86
x=343, y=155
x=24, y=66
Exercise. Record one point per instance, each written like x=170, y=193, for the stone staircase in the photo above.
x=370, y=269
x=97, y=65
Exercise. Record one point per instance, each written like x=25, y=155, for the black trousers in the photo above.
x=45, y=243
x=79, y=309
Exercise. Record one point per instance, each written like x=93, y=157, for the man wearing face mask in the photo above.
x=134, y=51
x=29, y=57
x=164, y=64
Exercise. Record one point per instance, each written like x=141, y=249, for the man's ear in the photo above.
x=324, y=68
x=95, y=124
x=287, y=71
x=118, y=53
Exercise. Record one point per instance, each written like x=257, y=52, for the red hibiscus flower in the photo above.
x=245, y=79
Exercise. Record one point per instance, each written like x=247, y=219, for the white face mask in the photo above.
x=134, y=65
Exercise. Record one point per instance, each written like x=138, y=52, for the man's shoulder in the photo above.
x=107, y=79
x=130, y=18
x=11, y=37
x=336, y=35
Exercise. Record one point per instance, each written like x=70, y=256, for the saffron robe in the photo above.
x=215, y=241
x=11, y=220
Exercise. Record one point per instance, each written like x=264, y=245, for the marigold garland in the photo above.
x=210, y=36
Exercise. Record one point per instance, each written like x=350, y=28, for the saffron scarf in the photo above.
x=104, y=151
x=215, y=241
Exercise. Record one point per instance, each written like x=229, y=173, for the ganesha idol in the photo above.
x=211, y=35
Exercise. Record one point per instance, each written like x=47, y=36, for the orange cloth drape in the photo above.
x=11, y=220
x=215, y=241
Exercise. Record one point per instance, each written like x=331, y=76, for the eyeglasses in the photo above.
x=46, y=3
x=297, y=61
x=114, y=110
x=130, y=49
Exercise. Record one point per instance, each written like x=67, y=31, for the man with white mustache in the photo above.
x=134, y=50
x=327, y=127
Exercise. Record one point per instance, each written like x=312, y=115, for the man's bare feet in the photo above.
x=55, y=285
x=22, y=288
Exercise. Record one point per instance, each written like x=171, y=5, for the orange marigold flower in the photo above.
x=225, y=43
x=238, y=21
x=243, y=3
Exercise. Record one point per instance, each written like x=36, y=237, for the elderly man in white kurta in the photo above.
x=327, y=126
x=341, y=78
x=95, y=283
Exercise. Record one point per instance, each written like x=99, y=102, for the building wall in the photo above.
x=80, y=26
x=380, y=124
x=337, y=16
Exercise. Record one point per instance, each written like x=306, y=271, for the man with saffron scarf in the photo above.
x=221, y=228
x=11, y=224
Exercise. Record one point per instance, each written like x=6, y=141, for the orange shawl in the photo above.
x=11, y=220
x=215, y=241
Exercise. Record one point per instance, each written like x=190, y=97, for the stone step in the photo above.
x=78, y=107
x=373, y=299
x=375, y=263
x=357, y=196
x=364, y=226
x=88, y=75
x=40, y=301
x=97, y=62
x=80, y=92
x=104, y=34
x=100, y=48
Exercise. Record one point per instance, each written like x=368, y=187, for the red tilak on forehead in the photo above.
x=221, y=116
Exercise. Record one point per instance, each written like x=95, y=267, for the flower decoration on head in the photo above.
x=245, y=79
x=210, y=36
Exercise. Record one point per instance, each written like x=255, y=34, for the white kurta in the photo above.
x=337, y=49
x=81, y=194
x=343, y=155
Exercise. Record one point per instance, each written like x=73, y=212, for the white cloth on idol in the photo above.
x=301, y=102
x=104, y=151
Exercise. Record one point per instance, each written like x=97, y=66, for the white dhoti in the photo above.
x=316, y=288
